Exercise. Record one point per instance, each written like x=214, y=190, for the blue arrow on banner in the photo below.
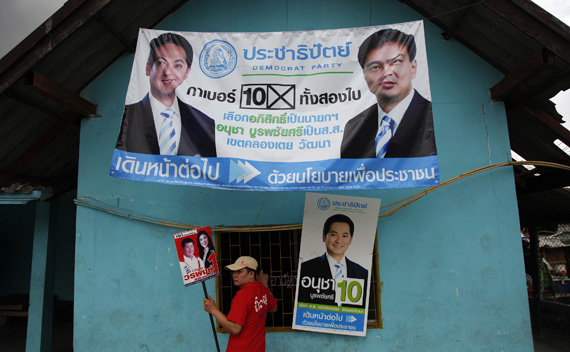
x=242, y=171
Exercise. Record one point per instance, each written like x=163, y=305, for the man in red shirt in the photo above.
x=246, y=320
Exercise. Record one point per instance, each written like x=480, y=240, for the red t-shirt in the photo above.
x=249, y=309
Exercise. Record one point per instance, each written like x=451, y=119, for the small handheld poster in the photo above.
x=196, y=255
x=198, y=262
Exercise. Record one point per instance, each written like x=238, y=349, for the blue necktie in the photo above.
x=384, y=136
x=338, y=272
x=166, y=139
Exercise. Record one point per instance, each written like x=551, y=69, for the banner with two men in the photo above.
x=286, y=111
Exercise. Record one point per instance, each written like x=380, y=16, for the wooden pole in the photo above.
x=211, y=318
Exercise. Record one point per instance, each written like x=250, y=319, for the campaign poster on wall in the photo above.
x=335, y=263
x=339, y=109
x=196, y=255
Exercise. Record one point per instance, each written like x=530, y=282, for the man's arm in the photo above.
x=264, y=280
x=210, y=307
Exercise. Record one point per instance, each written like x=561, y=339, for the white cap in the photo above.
x=243, y=262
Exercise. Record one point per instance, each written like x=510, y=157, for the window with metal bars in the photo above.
x=277, y=252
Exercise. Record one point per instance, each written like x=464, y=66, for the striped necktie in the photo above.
x=338, y=274
x=167, y=135
x=384, y=135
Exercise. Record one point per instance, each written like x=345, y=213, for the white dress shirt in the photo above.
x=397, y=113
x=332, y=263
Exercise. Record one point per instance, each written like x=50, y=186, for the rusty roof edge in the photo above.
x=545, y=17
x=537, y=24
x=36, y=36
x=48, y=42
x=155, y=23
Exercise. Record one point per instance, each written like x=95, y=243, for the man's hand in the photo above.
x=210, y=305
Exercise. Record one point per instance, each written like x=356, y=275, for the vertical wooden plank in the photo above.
x=40, y=314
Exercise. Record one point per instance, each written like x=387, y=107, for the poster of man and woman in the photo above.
x=196, y=255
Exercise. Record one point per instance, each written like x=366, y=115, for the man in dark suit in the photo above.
x=161, y=123
x=320, y=275
x=400, y=125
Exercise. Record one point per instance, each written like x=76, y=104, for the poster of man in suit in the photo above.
x=400, y=123
x=334, y=264
x=161, y=123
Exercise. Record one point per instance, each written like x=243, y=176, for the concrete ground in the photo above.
x=13, y=333
x=551, y=344
x=13, y=338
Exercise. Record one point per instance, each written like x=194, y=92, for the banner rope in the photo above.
x=408, y=200
x=98, y=205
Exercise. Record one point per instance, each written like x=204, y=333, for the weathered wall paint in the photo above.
x=451, y=263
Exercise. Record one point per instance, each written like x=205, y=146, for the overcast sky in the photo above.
x=18, y=18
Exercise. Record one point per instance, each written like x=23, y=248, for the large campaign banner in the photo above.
x=196, y=255
x=335, y=109
x=332, y=290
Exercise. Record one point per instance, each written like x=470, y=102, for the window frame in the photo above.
x=284, y=280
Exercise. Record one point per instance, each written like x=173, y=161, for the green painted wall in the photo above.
x=451, y=263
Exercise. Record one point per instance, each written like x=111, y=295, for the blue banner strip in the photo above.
x=232, y=173
x=330, y=320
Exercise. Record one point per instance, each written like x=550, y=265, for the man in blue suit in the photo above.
x=400, y=124
x=161, y=123
x=319, y=275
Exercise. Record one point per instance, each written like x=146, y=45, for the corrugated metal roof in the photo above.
x=40, y=134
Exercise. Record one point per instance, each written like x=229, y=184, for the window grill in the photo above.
x=277, y=253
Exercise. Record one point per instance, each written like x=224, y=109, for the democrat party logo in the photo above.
x=218, y=58
x=323, y=203
x=350, y=206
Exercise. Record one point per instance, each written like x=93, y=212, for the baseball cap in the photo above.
x=243, y=262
